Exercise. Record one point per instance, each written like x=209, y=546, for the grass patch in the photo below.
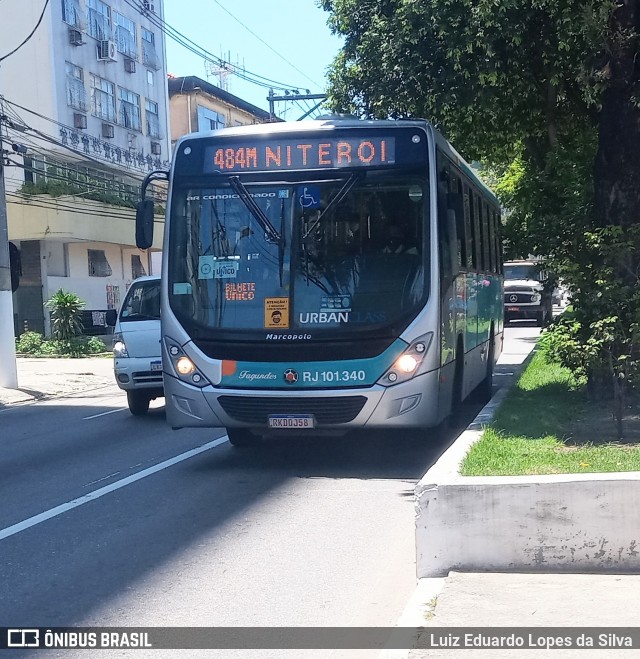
x=546, y=425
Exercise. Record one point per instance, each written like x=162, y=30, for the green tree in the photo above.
x=545, y=92
x=66, y=309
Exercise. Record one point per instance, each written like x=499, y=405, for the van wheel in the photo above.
x=541, y=319
x=138, y=402
x=242, y=437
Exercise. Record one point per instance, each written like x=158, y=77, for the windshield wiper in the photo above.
x=254, y=209
x=344, y=191
x=281, y=243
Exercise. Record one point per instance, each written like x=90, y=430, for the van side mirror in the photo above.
x=110, y=317
x=144, y=224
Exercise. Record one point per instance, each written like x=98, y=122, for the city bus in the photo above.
x=325, y=276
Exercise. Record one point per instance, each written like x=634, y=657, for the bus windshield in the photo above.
x=348, y=253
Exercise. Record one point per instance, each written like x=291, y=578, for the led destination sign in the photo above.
x=314, y=153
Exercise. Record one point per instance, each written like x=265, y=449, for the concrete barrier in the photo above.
x=567, y=522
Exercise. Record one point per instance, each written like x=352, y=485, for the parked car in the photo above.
x=137, y=359
x=527, y=292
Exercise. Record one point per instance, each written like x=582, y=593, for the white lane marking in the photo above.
x=96, y=494
x=95, y=416
x=115, y=473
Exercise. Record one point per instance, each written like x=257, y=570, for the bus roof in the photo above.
x=331, y=122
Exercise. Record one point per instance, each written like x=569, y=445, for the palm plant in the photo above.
x=66, y=311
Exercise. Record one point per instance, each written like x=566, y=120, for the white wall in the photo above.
x=571, y=523
x=97, y=292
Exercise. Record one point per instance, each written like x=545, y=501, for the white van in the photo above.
x=137, y=357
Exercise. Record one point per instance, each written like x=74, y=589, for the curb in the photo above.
x=540, y=523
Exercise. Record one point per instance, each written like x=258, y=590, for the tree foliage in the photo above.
x=546, y=93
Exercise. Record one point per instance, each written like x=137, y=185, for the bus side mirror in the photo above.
x=144, y=224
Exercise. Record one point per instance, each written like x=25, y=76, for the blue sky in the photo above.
x=296, y=29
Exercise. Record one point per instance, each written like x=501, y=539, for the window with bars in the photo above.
x=98, y=263
x=125, y=34
x=76, y=93
x=149, y=55
x=137, y=269
x=153, y=119
x=99, y=15
x=103, y=99
x=72, y=14
x=130, y=109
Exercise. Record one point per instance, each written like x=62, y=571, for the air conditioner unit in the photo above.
x=79, y=120
x=75, y=37
x=107, y=130
x=156, y=148
x=107, y=51
x=148, y=6
x=130, y=65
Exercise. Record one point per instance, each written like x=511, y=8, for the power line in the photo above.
x=261, y=40
x=49, y=138
x=15, y=50
x=198, y=50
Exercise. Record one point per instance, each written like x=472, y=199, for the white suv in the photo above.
x=137, y=357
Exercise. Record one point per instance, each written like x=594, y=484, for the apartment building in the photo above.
x=84, y=116
x=196, y=105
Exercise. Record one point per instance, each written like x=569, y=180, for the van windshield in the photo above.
x=142, y=302
x=522, y=271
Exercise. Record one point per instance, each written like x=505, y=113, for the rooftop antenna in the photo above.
x=223, y=69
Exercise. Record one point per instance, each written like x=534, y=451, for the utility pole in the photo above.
x=295, y=96
x=8, y=370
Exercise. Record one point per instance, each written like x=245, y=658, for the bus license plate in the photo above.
x=292, y=422
x=156, y=366
x=513, y=308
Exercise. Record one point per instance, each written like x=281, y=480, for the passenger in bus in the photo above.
x=399, y=241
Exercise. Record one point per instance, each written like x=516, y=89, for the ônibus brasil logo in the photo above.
x=290, y=376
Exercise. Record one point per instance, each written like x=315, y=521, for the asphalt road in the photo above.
x=113, y=520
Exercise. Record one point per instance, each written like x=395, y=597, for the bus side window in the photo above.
x=496, y=237
x=492, y=240
x=486, y=256
x=455, y=187
x=477, y=222
x=468, y=227
x=446, y=228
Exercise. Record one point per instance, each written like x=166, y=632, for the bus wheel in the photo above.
x=484, y=390
x=138, y=402
x=242, y=437
x=456, y=396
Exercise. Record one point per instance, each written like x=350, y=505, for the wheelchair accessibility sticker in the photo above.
x=309, y=196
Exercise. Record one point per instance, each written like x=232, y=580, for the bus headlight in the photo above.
x=184, y=368
x=119, y=346
x=409, y=362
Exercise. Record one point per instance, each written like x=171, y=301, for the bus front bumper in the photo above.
x=411, y=404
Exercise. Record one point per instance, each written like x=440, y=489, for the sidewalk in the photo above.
x=46, y=377
x=490, y=601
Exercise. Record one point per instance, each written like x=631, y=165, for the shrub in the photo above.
x=29, y=343
x=66, y=311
